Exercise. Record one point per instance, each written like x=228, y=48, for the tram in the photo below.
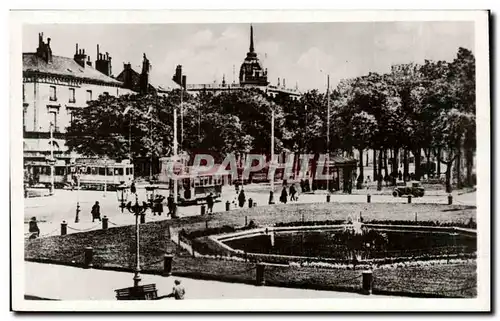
x=89, y=173
x=101, y=174
x=194, y=189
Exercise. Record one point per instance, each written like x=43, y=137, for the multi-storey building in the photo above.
x=53, y=87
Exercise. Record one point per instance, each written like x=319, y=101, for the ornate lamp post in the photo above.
x=122, y=195
x=137, y=209
x=150, y=194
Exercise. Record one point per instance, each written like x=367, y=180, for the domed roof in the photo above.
x=251, y=71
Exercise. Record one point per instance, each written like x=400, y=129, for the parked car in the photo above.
x=412, y=188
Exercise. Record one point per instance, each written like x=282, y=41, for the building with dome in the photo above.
x=252, y=75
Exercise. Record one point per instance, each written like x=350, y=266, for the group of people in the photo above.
x=292, y=192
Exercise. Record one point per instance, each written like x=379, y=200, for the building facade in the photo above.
x=53, y=87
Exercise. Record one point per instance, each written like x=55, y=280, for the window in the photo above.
x=118, y=171
x=89, y=95
x=94, y=170
x=109, y=172
x=72, y=98
x=53, y=93
x=25, y=110
x=70, y=114
x=102, y=171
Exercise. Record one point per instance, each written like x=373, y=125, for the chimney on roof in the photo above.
x=89, y=63
x=278, y=81
x=80, y=57
x=103, y=63
x=43, y=51
x=284, y=84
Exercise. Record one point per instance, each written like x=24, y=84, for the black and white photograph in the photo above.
x=238, y=162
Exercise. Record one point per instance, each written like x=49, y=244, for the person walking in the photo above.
x=210, y=203
x=302, y=188
x=33, y=228
x=293, y=198
x=284, y=196
x=158, y=205
x=96, y=212
x=170, y=204
x=241, y=198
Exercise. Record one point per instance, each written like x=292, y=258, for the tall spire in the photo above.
x=251, y=39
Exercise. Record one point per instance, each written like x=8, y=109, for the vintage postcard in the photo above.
x=250, y=161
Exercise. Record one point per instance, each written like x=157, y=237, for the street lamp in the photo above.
x=137, y=209
x=150, y=194
x=271, y=192
x=51, y=161
x=122, y=195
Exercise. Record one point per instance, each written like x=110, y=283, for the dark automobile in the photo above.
x=411, y=188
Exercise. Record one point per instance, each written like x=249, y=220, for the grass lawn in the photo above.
x=115, y=248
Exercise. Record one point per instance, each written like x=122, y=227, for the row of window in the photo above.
x=105, y=171
x=102, y=171
x=72, y=97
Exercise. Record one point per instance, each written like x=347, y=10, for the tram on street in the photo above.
x=89, y=173
x=194, y=189
x=102, y=174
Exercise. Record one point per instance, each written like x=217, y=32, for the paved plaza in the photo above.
x=70, y=283
x=50, y=211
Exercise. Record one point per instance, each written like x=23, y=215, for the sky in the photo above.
x=301, y=53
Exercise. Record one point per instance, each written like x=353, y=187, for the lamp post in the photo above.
x=77, y=217
x=52, y=161
x=175, y=157
x=271, y=192
x=122, y=195
x=150, y=194
x=137, y=209
x=328, y=135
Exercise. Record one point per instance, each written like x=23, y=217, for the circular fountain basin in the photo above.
x=345, y=243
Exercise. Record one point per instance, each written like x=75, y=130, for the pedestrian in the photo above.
x=237, y=186
x=400, y=175
x=170, y=204
x=133, y=190
x=33, y=228
x=284, y=196
x=158, y=205
x=96, y=212
x=302, y=186
x=292, y=193
x=210, y=202
x=178, y=291
x=241, y=198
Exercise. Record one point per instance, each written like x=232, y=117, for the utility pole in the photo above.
x=175, y=156
x=271, y=193
x=328, y=134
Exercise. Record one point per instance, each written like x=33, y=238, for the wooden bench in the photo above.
x=143, y=292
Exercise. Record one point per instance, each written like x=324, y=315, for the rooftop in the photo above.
x=64, y=66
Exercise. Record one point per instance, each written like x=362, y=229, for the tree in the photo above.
x=113, y=127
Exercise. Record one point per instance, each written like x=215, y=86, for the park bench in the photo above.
x=143, y=292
